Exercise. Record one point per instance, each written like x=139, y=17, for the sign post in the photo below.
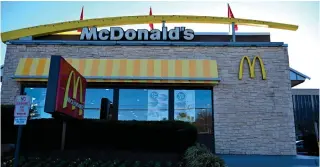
x=21, y=113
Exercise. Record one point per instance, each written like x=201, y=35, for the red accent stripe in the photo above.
x=150, y=24
x=81, y=18
x=230, y=15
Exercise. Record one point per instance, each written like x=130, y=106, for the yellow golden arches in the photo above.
x=251, y=66
x=72, y=76
x=129, y=20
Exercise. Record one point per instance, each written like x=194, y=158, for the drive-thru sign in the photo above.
x=21, y=110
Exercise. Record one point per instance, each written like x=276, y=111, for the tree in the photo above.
x=34, y=113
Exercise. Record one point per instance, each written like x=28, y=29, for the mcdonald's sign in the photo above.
x=66, y=89
x=251, y=66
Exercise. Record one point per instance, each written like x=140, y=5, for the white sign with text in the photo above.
x=21, y=110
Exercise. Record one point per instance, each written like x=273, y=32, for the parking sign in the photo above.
x=21, y=110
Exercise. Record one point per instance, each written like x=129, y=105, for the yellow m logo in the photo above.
x=251, y=67
x=76, y=84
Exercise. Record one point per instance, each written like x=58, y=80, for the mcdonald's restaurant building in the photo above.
x=238, y=94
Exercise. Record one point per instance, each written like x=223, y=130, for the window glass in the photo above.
x=38, y=97
x=93, y=101
x=300, y=78
x=194, y=106
x=293, y=76
x=143, y=104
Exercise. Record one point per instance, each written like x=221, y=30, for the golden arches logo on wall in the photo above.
x=251, y=66
x=76, y=83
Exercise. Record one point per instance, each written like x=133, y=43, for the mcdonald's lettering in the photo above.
x=251, y=66
x=73, y=100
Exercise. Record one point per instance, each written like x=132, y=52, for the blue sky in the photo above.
x=303, y=43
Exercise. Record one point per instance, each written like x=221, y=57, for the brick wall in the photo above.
x=251, y=116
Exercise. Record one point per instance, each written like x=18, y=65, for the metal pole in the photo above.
x=163, y=24
x=233, y=32
x=16, y=153
x=63, y=137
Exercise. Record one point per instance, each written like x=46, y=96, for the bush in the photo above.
x=132, y=135
x=200, y=156
x=8, y=130
x=207, y=160
x=194, y=151
x=167, y=136
x=311, y=144
x=33, y=161
x=45, y=134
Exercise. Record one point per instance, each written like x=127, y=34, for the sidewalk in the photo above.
x=270, y=161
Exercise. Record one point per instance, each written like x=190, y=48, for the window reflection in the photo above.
x=143, y=104
x=93, y=101
x=38, y=97
x=194, y=106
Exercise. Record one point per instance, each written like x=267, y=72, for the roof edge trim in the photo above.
x=299, y=73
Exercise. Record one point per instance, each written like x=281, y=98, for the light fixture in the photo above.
x=107, y=89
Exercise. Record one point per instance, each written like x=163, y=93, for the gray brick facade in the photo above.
x=251, y=116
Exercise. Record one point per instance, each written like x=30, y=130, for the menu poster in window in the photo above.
x=184, y=105
x=157, y=105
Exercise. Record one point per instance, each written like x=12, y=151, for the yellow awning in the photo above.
x=126, y=70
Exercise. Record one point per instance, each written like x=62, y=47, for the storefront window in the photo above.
x=143, y=104
x=93, y=101
x=38, y=97
x=194, y=106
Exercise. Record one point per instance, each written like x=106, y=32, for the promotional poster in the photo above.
x=157, y=105
x=184, y=105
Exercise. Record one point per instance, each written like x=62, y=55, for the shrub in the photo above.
x=206, y=160
x=200, y=156
x=8, y=130
x=45, y=134
x=311, y=144
x=167, y=136
x=132, y=135
x=194, y=151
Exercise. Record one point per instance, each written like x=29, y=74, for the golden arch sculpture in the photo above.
x=130, y=20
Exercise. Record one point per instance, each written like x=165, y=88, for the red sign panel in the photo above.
x=71, y=90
